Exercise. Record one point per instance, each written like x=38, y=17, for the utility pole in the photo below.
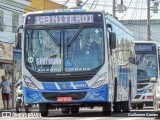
x=13, y=81
x=79, y=3
x=114, y=8
x=148, y=20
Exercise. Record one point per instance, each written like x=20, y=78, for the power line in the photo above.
x=127, y=9
x=92, y=4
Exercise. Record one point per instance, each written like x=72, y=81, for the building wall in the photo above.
x=139, y=29
x=7, y=36
x=9, y=6
x=43, y=5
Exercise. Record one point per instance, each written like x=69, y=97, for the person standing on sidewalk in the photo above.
x=6, y=89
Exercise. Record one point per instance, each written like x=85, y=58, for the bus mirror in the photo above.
x=133, y=60
x=112, y=39
x=18, y=38
x=153, y=80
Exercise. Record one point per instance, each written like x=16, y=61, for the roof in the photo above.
x=62, y=11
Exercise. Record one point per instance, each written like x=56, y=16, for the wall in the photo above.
x=139, y=29
x=43, y=5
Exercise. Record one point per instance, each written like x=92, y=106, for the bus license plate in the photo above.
x=64, y=99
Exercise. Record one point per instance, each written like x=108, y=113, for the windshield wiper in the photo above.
x=75, y=36
x=50, y=34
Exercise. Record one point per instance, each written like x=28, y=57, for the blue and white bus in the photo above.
x=76, y=58
x=146, y=53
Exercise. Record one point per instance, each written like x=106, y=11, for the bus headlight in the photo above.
x=100, y=81
x=149, y=90
x=20, y=92
x=158, y=90
x=29, y=83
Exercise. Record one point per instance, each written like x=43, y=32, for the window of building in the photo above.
x=15, y=21
x=1, y=21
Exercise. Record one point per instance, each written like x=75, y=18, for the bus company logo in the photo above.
x=63, y=74
x=6, y=114
x=64, y=86
x=13, y=114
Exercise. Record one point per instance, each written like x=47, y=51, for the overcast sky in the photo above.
x=136, y=9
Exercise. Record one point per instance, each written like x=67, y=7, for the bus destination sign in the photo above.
x=53, y=19
x=144, y=47
x=59, y=19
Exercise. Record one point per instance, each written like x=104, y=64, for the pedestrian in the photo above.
x=6, y=89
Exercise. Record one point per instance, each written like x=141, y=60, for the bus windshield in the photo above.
x=64, y=50
x=146, y=67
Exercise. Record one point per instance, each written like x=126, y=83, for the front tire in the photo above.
x=18, y=106
x=74, y=109
x=43, y=109
x=107, y=109
x=133, y=106
x=27, y=108
x=117, y=107
x=126, y=105
x=65, y=109
x=140, y=106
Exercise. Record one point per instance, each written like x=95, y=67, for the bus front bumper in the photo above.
x=99, y=94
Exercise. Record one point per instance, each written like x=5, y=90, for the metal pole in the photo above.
x=114, y=8
x=148, y=20
x=13, y=80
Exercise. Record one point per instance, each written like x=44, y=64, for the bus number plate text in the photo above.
x=64, y=99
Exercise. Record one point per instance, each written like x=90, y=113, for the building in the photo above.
x=11, y=12
x=43, y=5
x=139, y=29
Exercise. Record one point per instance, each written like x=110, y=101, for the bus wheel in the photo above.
x=157, y=115
x=107, y=109
x=74, y=109
x=27, y=109
x=117, y=107
x=133, y=106
x=18, y=106
x=65, y=109
x=43, y=109
x=140, y=106
x=126, y=105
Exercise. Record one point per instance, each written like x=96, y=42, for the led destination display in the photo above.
x=53, y=19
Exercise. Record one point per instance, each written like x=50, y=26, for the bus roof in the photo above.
x=147, y=42
x=62, y=11
x=155, y=42
x=116, y=22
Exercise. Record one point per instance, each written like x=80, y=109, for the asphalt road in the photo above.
x=84, y=114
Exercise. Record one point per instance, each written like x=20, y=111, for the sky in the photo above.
x=136, y=9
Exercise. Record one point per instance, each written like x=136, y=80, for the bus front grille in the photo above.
x=54, y=95
x=137, y=96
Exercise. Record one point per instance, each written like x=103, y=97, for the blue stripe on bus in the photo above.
x=65, y=85
x=140, y=92
x=49, y=86
x=49, y=11
x=64, y=10
x=79, y=10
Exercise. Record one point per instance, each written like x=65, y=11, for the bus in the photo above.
x=147, y=62
x=75, y=58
